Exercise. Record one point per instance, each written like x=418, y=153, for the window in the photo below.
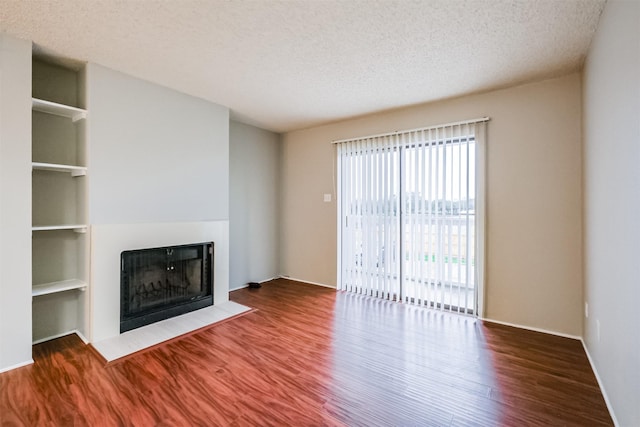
x=411, y=216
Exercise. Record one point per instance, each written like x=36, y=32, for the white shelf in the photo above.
x=53, y=287
x=74, y=170
x=56, y=109
x=78, y=228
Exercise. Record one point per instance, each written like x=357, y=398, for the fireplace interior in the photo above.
x=159, y=283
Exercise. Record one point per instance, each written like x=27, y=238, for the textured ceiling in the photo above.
x=285, y=65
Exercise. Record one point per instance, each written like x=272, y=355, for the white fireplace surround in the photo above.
x=109, y=240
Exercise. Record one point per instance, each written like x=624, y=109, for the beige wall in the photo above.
x=533, y=197
x=611, y=206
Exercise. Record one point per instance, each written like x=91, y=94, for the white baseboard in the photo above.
x=307, y=281
x=63, y=334
x=586, y=350
x=529, y=328
x=19, y=365
x=82, y=337
x=30, y=361
x=247, y=285
x=288, y=278
x=600, y=384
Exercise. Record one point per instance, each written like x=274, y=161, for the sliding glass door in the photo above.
x=370, y=232
x=408, y=217
x=438, y=219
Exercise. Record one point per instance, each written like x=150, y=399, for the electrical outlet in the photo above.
x=586, y=310
x=598, y=330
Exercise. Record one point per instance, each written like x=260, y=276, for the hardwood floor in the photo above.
x=313, y=356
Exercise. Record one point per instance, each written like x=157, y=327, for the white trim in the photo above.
x=63, y=334
x=247, y=285
x=464, y=122
x=530, y=328
x=586, y=350
x=600, y=384
x=308, y=282
x=81, y=336
x=480, y=243
x=19, y=365
x=338, y=198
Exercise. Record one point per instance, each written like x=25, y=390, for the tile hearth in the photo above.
x=147, y=336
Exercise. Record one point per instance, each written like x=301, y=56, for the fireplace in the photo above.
x=159, y=283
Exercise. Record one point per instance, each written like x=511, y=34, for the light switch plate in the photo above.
x=327, y=197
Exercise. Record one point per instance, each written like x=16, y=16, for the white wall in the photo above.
x=15, y=202
x=253, y=204
x=158, y=174
x=534, y=201
x=155, y=155
x=612, y=205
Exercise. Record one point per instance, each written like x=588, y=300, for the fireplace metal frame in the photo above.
x=157, y=314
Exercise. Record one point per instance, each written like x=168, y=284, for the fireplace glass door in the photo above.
x=159, y=283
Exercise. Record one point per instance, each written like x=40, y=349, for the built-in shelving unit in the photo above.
x=78, y=228
x=73, y=170
x=53, y=287
x=56, y=109
x=60, y=233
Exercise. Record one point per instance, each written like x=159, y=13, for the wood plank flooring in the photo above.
x=311, y=356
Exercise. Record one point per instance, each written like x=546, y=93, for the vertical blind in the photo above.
x=411, y=215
